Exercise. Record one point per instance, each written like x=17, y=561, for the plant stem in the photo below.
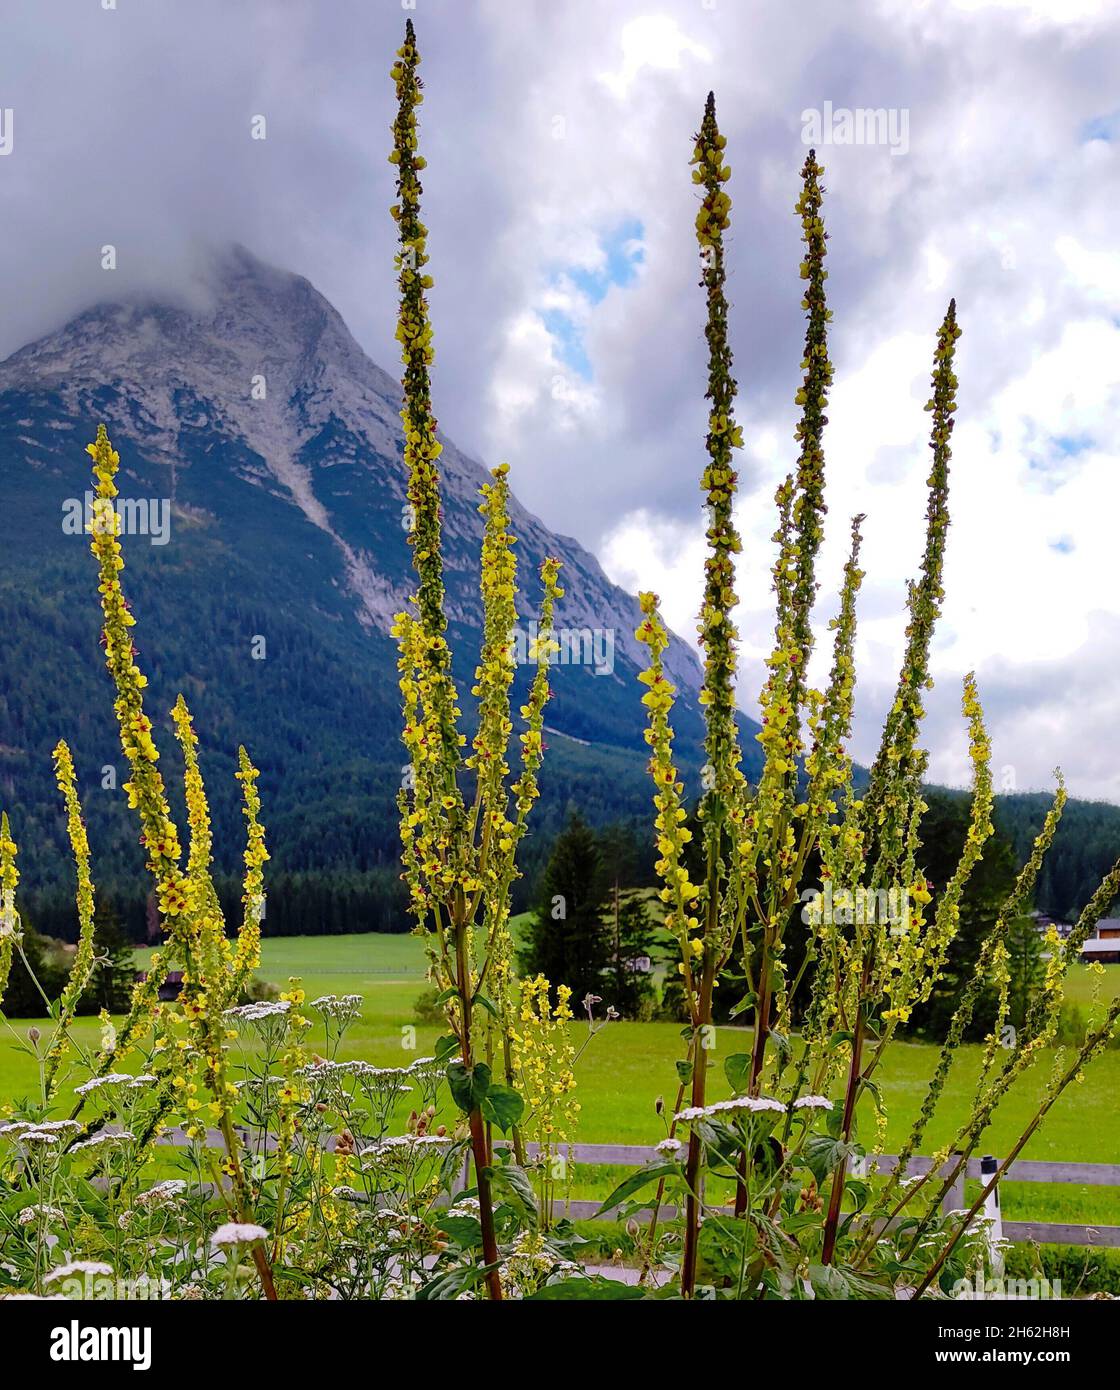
x=479, y=1148
x=833, y=1219
x=693, y=1195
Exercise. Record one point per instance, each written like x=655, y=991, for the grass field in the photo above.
x=627, y=1065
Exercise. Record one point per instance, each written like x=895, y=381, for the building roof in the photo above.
x=1099, y=945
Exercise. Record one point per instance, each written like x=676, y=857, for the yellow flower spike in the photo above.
x=83, y=964
x=9, y=917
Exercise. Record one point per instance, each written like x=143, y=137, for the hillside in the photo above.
x=261, y=459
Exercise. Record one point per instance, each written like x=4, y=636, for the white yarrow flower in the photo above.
x=113, y=1078
x=76, y=1267
x=690, y=1112
x=238, y=1233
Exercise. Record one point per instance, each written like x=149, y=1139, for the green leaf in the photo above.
x=510, y=1183
x=465, y=1231
x=468, y=1084
x=453, y=1283
x=737, y=1069
x=832, y=1283
x=636, y=1181
x=768, y=1157
x=502, y=1106
x=876, y=1094
x=486, y=1003
x=748, y=1001
x=684, y=1072
x=446, y=1045
x=570, y=1289
x=834, y=1121
x=721, y=1245
x=823, y=1155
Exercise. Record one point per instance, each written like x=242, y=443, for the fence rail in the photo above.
x=1023, y=1170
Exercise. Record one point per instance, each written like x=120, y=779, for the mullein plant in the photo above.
x=459, y=854
x=215, y=968
x=51, y=1053
x=877, y=942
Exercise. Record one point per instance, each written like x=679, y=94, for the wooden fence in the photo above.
x=1023, y=1170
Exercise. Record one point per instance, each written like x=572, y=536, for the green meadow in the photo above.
x=626, y=1066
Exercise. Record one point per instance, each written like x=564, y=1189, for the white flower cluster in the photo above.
x=116, y=1078
x=237, y=1233
x=402, y=1145
x=162, y=1193
x=754, y=1104
x=105, y=1136
x=339, y=1008
x=76, y=1267
x=354, y=1066
x=256, y=1013
x=17, y=1129
x=29, y=1215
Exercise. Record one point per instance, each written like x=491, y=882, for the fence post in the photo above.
x=988, y=1169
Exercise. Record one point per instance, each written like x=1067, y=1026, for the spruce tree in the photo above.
x=568, y=941
x=633, y=951
x=111, y=985
x=1025, y=966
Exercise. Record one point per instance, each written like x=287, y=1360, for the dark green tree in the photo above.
x=944, y=828
x=22, y=998
x=567, y=939
x=1025, y=967
x=633, y=951
x=111, y=985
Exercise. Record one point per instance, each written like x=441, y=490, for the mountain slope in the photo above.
x=269, y=449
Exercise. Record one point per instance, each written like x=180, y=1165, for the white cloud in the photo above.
x=651, y=41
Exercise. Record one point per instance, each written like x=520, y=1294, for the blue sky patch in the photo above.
x=1101, y=127
x=623, y=253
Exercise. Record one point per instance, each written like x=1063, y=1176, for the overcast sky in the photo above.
x=568, y=317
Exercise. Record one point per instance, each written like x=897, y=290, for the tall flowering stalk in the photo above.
x=877, y=941
x=187, y=900
x=459, y=858
x=543, y=1059
x=84, y=963
x=809, y=507
x=988, y=967
x=900, y=764
x=9, y=917
x=706, y=953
